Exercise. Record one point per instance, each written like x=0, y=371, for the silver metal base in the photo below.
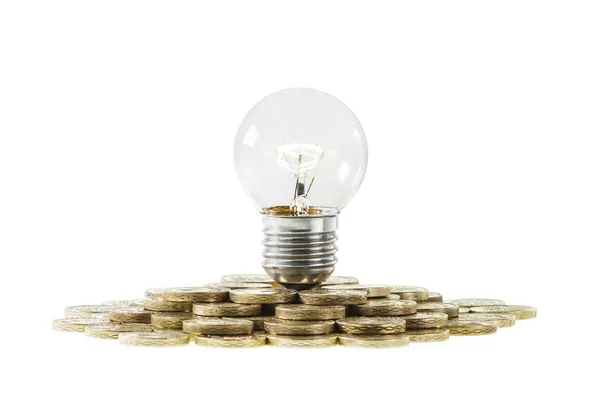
x=300, y=250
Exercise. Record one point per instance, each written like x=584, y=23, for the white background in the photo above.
x=117, y=121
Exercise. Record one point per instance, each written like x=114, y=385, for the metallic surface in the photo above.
x=226, y=309
x=218, y=326
x=263, y=296
x=309, y=312
x=112, y=331
x=426, y=320
x=312, y=341
x=158, y=339
x=290, y=327
x=372, y=325
x=231, y=341
x=384, y=307
x=374, y=341
x=450, y=309
x=520, y=312
x=372, y=290
x=428, y=335
x=326, y=297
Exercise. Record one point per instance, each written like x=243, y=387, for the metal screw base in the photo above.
x=300, y=250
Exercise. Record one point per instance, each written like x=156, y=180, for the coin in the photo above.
x=240, y=285
x=520, y=312
x=163, y=305
x=231, y=341
x=372, y=290
x=218, y=326
x=196, y=294
x=475, y=302
x=458, y=327
x=130, y=315
x=248, y=278
x=155, y=293
x=309, y=312
x=434, y=297
x=374, y=341
x=320, y=297
x=462, y=310
x=291, y=327
x=87, y=311
x=295, y=341
x=167, y=338
x=340, y=280
x=267, y=296
x=124, y=303
x=169, y=321
x=425, y=320
x=501, y=320
x=391, y=296
x=259, y=321
x=450, y=309
x=428, y=335
x=112, y=331
x=372, y=325
x=415, y=293
x=376, y=307
x=226, y=309
x=75, y=324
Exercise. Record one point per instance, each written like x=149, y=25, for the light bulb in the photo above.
x=300, y=155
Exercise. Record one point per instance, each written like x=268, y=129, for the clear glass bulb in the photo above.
x=299, y=152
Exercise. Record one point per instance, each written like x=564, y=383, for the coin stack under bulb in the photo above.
x=253, y=311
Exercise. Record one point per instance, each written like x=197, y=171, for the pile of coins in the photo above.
x=253, y=310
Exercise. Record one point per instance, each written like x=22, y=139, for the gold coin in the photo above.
x=376, y=307
x=434, y=297
x=325, y=297
x=428, y=335
x=169, y=321
x=162, y=339
x=425, y=320
x=259, y=321
x=309, y=312
x=218, y=326
x=196, y=294
x=87, y=311
x=372, y=290
x=520, y=312
x=450, y=309
x=475, y=302
x=124, y=303
x=260, y=296
x=374, y=341
x=391, y=296
x=415, y=293
x=291, y=327
x=501, y=320
x=457, y=327
x=226, y=309
x=248, y=278
x=463, y=310
x=155, y=293
x=75, y=324
x=340, y=280
x=112, y=331
x=294, y=341
x=163, y=305
x=240, y=285
x=130, y=315
x=231, y=341
x=372, y=325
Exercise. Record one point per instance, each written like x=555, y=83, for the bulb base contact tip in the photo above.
x=299, y=250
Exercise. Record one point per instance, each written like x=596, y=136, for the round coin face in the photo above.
x=475, y=302
x=428, y=335
x=374, y=341
x=520, y=312
x=196, y=294
x=218, y=326
x=499, y=319
x=372, y=325
x=294, y=341
x=327, y=297
x=263, y=296
x=75, y=324
x=421, y=320
x=383, y=307
x=226, y=309
x=340, y=280
x=231, y=341
x=415, y=293
x=112, y=331
x=169, y=321
x=309, y=312
x=372, y=290
x=450, y=309
x=158, y=339
x=87, y=311
x=291, y=327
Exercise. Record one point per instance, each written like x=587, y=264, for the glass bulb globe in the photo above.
x=300, y=148
x=300, y=155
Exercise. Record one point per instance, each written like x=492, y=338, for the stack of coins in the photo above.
x=252, y=310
